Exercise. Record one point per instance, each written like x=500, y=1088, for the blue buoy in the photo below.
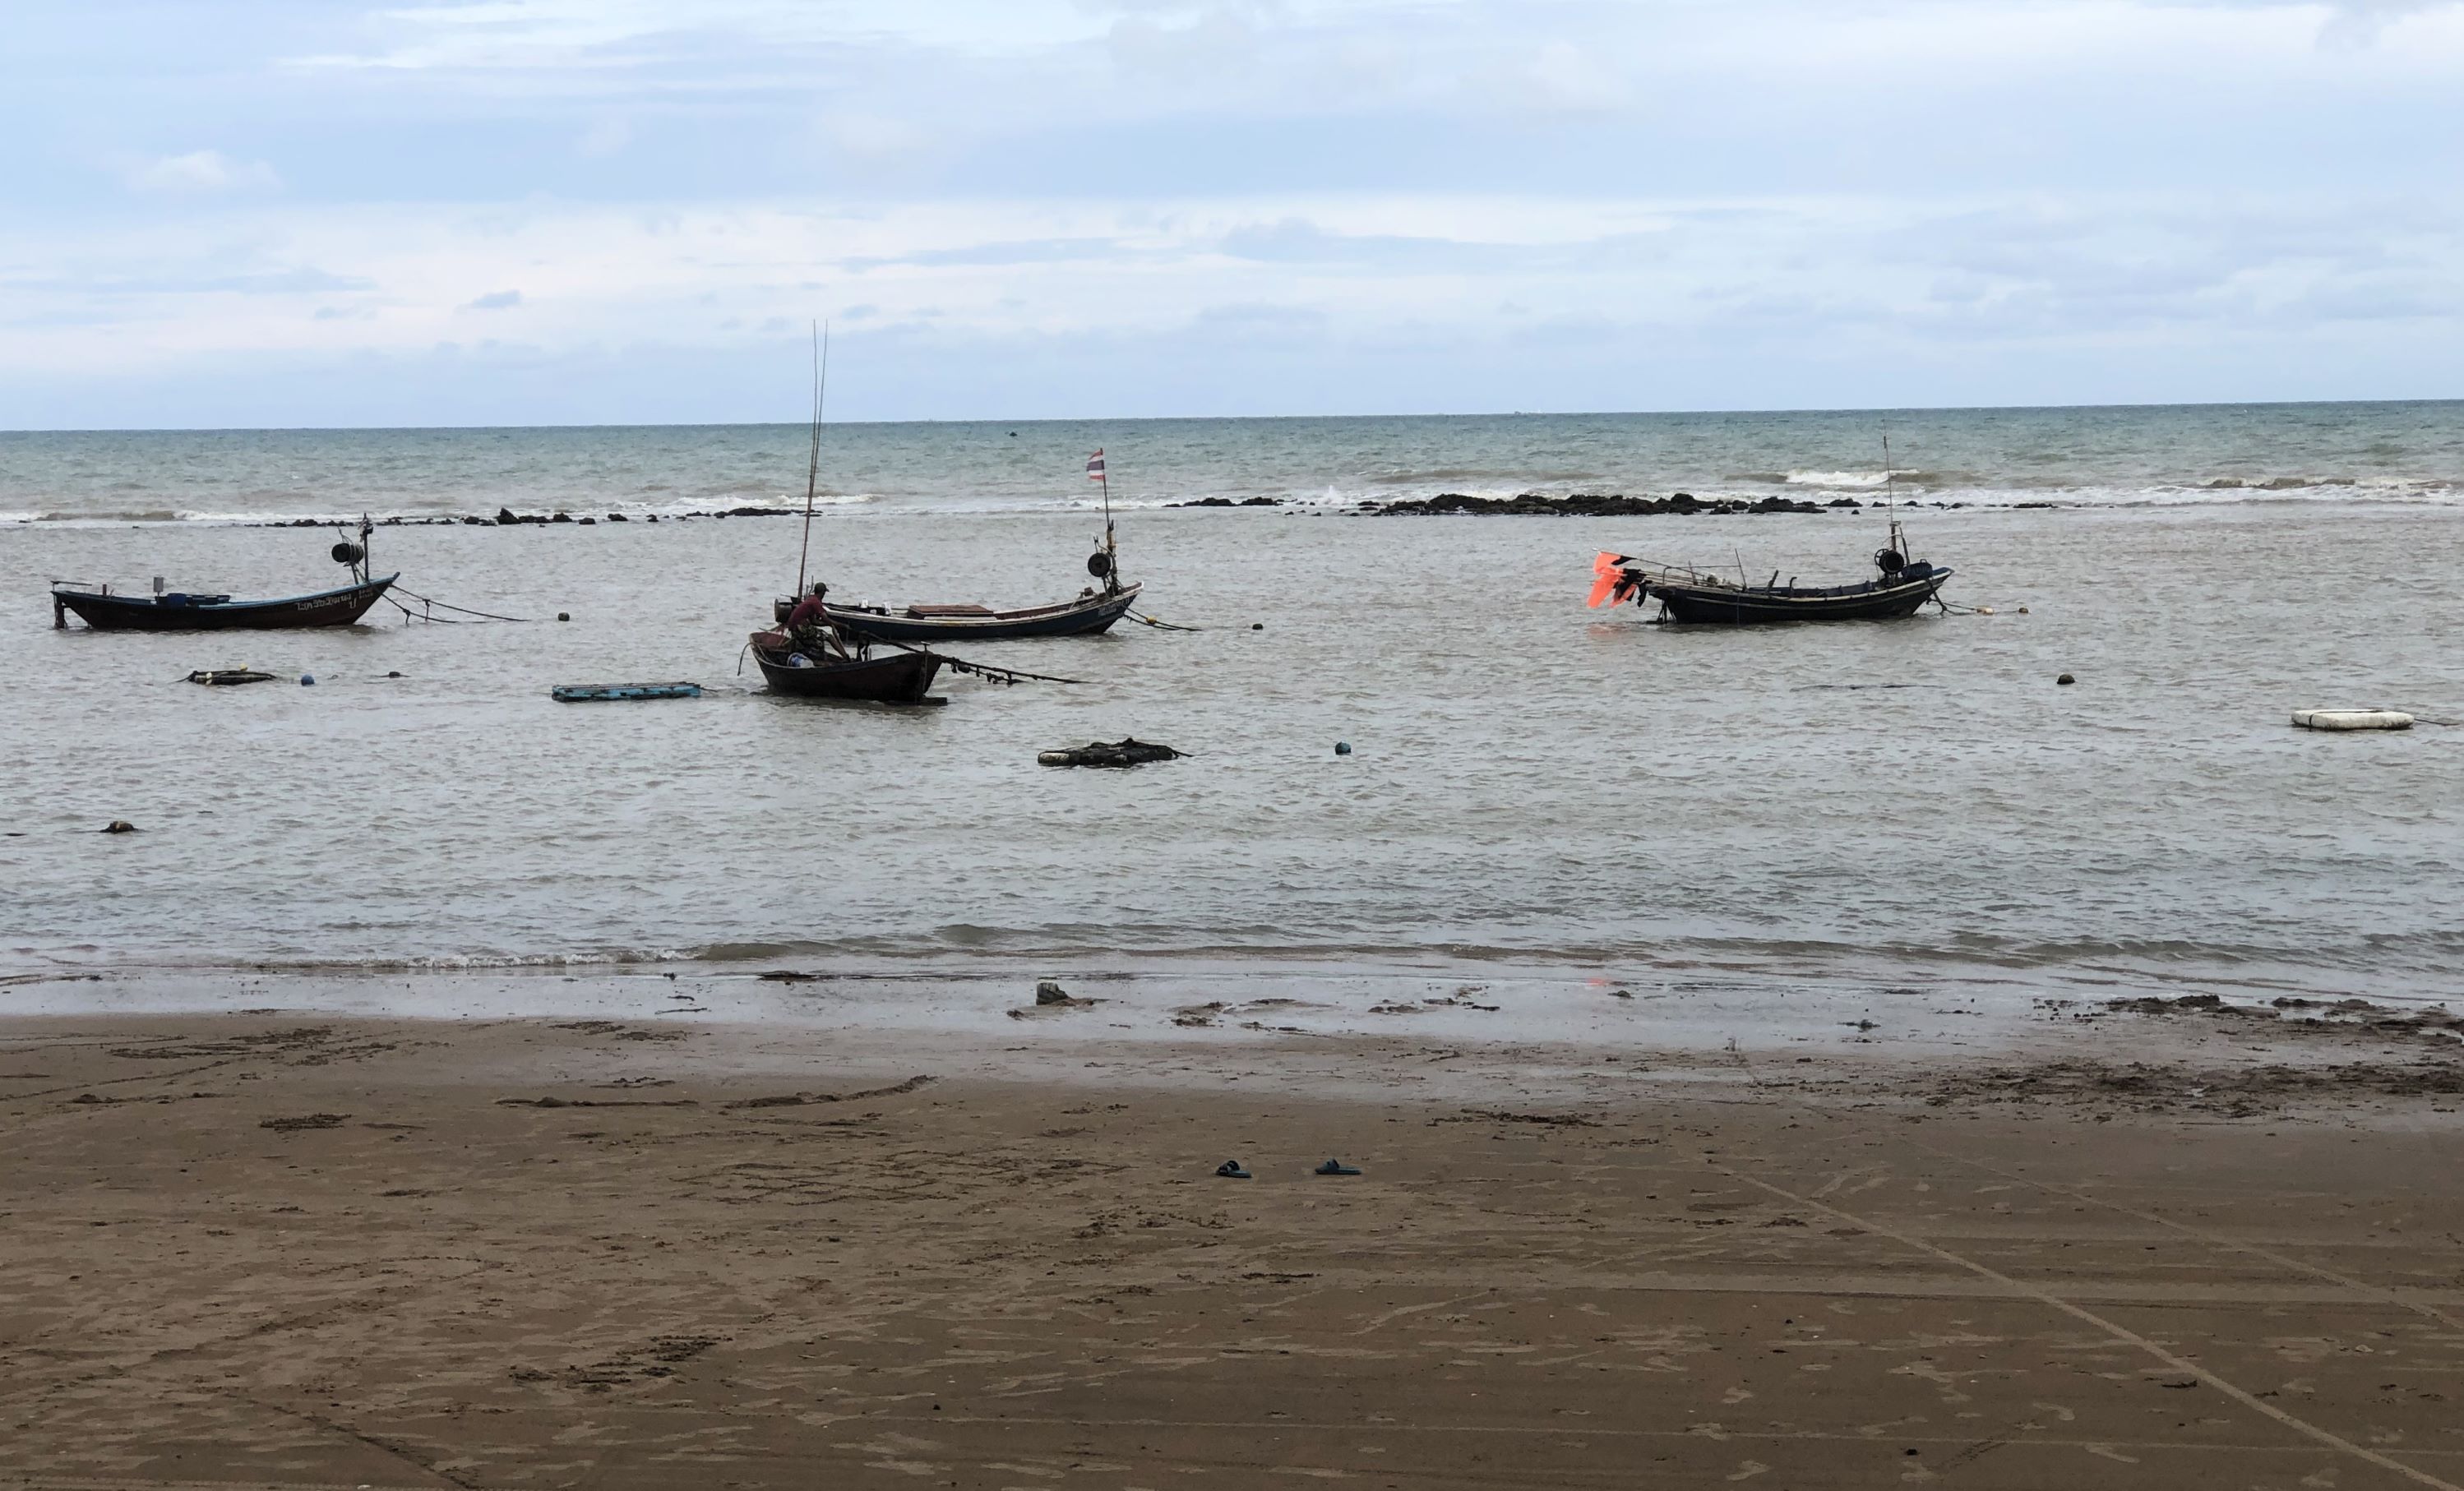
x=1343, y=748
x=307, y=678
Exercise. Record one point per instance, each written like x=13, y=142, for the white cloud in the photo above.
x=202, y=172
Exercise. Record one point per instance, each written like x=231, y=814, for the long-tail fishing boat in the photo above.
x=1690, y=595
x=805, y=655
x=1092, y=610
x=811, y=654
x=175, y=610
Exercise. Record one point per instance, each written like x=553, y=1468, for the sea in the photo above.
x=1531, y=789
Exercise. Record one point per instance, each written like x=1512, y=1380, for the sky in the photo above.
x=308, y=213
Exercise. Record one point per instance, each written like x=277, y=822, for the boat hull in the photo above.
x=1083, y=617
x=1746, y=605
x=893, y=678
x=148, y=613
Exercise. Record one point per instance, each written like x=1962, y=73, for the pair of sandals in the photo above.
x=1230, y=1170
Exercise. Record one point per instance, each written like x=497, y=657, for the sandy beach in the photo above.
x=2188, y=1248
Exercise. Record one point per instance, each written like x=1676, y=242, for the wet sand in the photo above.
x=2175, y=1250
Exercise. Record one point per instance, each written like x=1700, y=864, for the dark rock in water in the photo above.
x=618, y=518
x=1050, y=991
x=564, y=616
x=1583, y=504
x=1128, y=751
x=651, y=518
x=1228, y=502
x=561, y=517
x=475, y=521
x=1843, y=503
x=505, y=517
x=120, y=825
x=585, y=522
x=2066, y=679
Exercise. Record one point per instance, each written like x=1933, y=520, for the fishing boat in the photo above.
x=1697, y=596
x=813, y=655
x=895, y=677
x=1095, y=609
x=188, y=611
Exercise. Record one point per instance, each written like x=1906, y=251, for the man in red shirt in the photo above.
x=809, y=622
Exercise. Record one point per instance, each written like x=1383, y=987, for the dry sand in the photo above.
x=2166, y=1251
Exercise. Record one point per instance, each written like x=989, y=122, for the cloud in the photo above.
x=2359, y=23
x=494, y=300
x=603, y=137
x=202, y=172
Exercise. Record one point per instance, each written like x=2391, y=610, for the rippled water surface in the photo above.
x=1532, y=782
x=2390, y=452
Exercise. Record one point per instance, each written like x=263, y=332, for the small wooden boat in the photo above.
x=104, y=611
x=896, y=677
x=1697, y=596
x=585, y=693
x=1092, y=612
x=225, y=677
x=187, y=611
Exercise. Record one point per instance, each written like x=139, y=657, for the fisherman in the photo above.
x=809, y=622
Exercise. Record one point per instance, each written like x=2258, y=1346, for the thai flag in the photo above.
x=1095, y=467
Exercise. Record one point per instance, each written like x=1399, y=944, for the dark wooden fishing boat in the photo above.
x=1093, y=610
x=1089, y=613
x=1697, y=596
x=178, y=611
x=896, y=677
x=104, y=611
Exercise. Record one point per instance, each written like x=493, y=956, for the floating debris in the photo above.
x=1128, y=751
x=581, y=694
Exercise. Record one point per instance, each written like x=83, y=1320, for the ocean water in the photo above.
x=2105, y=456
x=1534, y=785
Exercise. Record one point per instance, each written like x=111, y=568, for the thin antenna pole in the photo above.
x=813, y=467
x=1111, y=550
x=1890, y=481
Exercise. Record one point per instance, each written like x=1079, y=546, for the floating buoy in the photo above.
x=564, y=616
x=1257, y=625
x=305, y=679
x=2066, y=679
x=2352, y=719
x=1343, y=748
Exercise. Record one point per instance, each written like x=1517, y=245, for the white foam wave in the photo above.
x=1853, y=481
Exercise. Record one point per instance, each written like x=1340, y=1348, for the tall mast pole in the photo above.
x=813, y=467
x=1112, y=551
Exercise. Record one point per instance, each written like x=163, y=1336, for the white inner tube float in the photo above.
x=2352, y=719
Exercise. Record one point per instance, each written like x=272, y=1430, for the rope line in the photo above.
x=433, y=603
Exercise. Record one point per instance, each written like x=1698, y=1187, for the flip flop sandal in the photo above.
x=1230, y=1170
x=1337, y=1168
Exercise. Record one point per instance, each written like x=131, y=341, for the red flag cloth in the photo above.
x=1095, y=467
x=1606, y=578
